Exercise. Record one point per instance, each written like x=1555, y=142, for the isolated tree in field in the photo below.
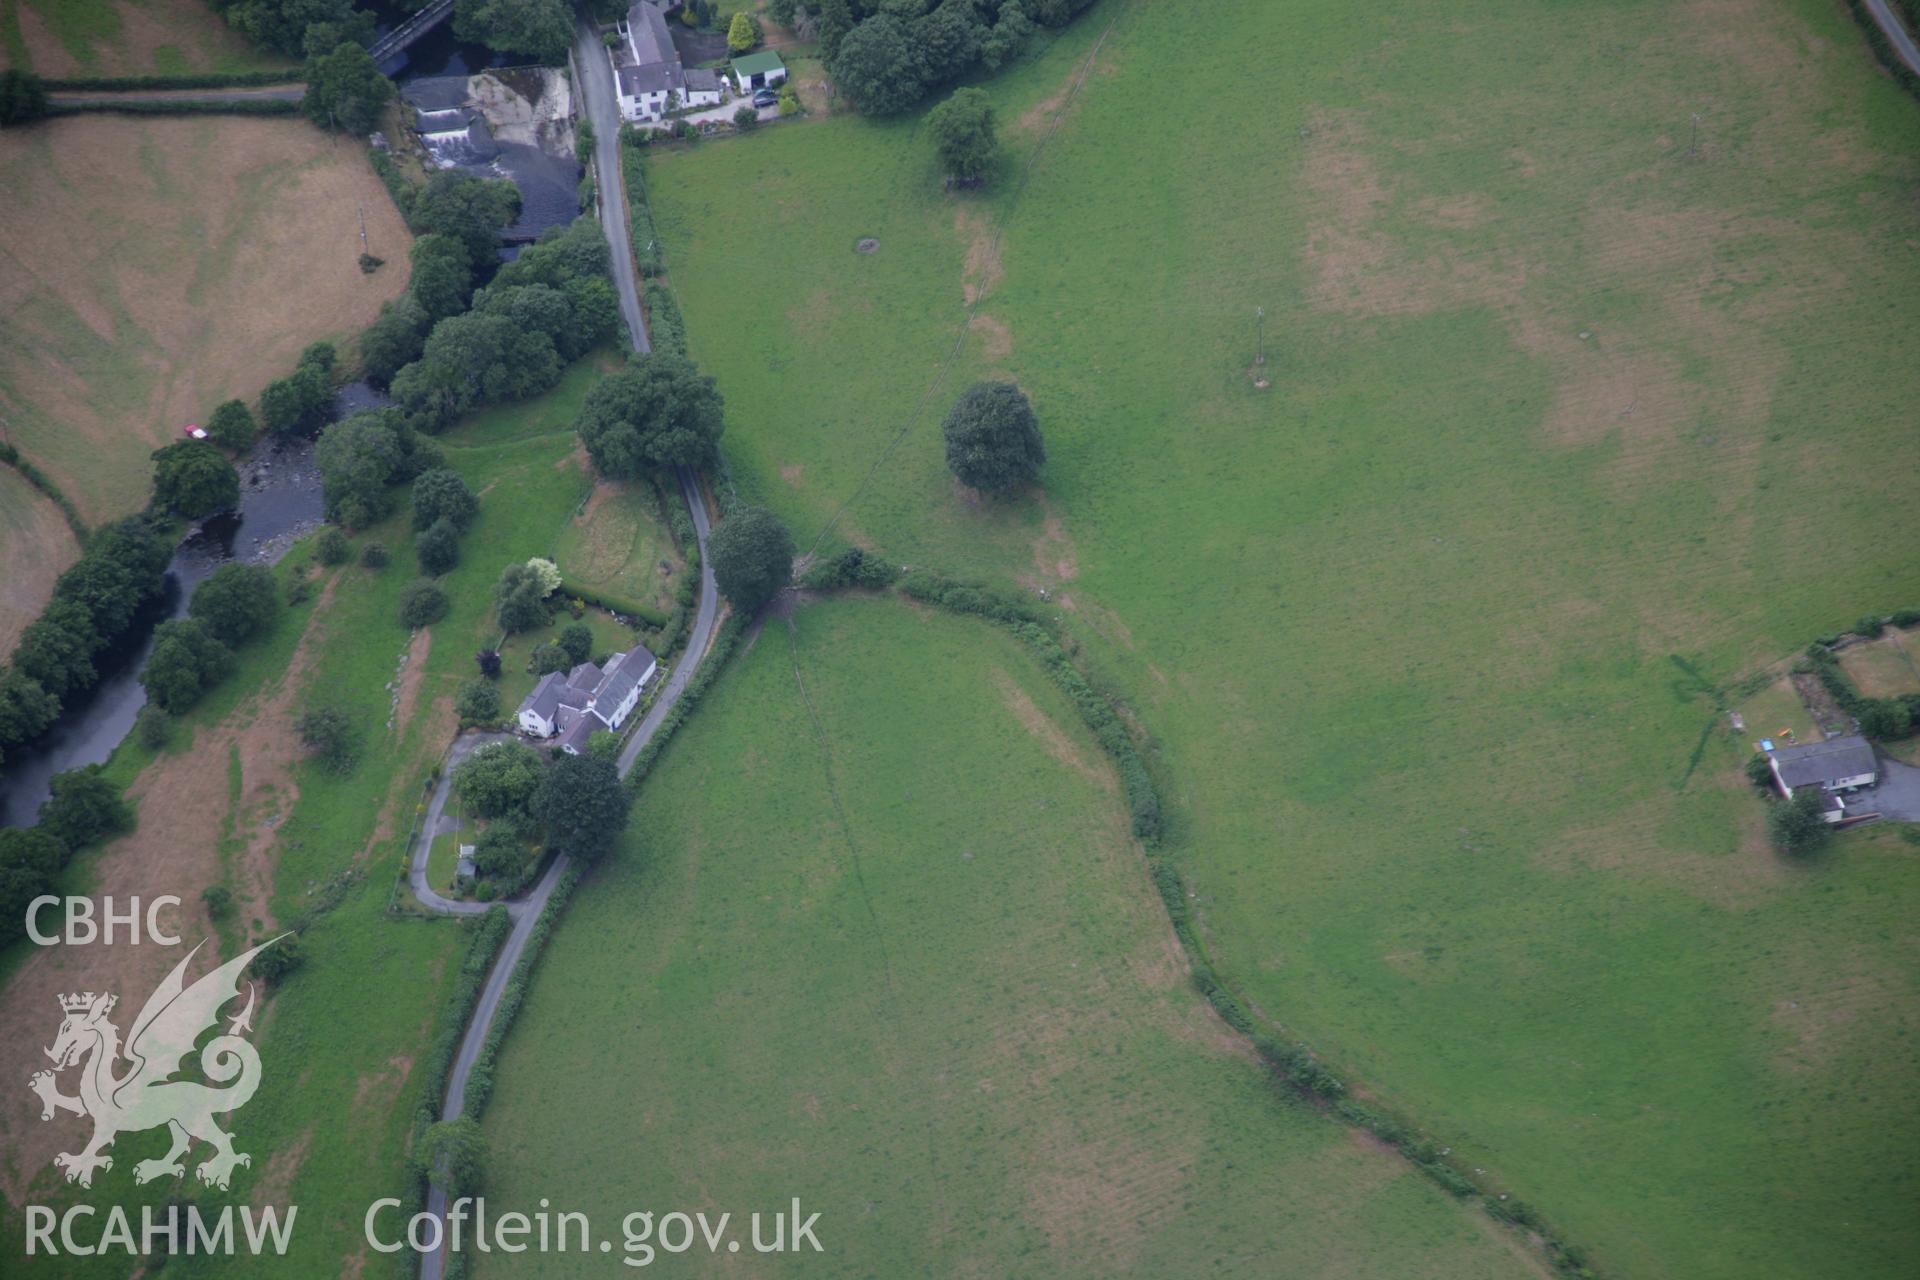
x=345, y=90
x=488, y=660
x=1795, y=825
x=440, y=494
x=742, y=33
x=331, y=547
x=327, y=732
x=993, y=441
x=232, y=426
x=583, y=805
x=662, y=412
x=422, y=604
x=186, y=660
x=752, y=557
x=498, y=779
x=23, y=98
x=237, y=602
x=438, y=548
x=191, y=478
x=278, y=962
x=963, y=134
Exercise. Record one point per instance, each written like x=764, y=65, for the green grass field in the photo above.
x=882, y=942
x=1559, y=392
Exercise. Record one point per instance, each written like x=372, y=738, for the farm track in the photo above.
x=597, y=103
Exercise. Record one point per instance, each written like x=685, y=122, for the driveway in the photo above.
x=1895, y=796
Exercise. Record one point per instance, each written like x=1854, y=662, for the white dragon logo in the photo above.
x=146, y=1096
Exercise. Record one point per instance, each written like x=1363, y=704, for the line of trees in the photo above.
x=83, y=808
x=96, y=604
x=192, y=654
x=888, y=55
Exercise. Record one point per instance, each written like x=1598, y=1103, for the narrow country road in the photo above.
x=594, y=76
x=1897, y=35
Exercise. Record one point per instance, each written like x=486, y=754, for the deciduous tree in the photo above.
x=752, y=557
x=993, y=441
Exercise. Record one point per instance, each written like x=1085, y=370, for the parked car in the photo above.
x=765, y=98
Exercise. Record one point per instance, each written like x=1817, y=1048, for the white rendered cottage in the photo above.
x=589, y=698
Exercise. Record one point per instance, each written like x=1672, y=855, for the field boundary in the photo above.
x=196, y=80
x=44, y=483
x=1294, y=1064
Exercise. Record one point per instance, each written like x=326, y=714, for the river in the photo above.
x=279, y=502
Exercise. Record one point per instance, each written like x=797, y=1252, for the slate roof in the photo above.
x=575, y=739
x=1824, y=762
x=544, y=701
x=654, y=78
x=651, y=42
x=578, y=698
x=701, y=80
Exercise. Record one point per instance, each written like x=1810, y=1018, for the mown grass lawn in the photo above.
x=878, y=939
x=1559, y=393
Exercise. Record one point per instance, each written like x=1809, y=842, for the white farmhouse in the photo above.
x=587, y=699
x=1833, y=766
x=646, y=67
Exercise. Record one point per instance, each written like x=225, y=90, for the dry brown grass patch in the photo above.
x=219, y=249
x=36, y=546
x=186, y=28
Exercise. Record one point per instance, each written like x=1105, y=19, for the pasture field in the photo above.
x=156, y=267
x=36, y=543
x=1561, y=391
x=619, y=544
x=1885, y=667
x=61, y=38
x=878, y=938
x=233, y=801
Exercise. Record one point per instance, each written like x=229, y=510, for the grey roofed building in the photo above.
x=574, y=738
x=655, y=77
x=701, y=80
x=544, y=701
x=1831, y=765
x=647, y=32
